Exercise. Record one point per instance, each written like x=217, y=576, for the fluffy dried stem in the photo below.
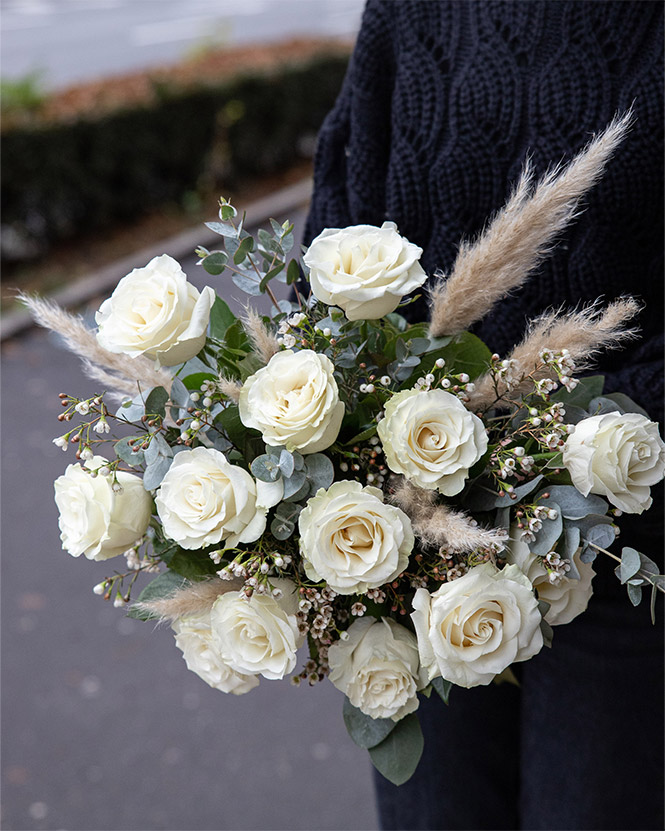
x=583, y=333
x=263, y=340
x=519, y=236
x=122, y=375
x=438, y=525
x=229, y=387
x=192, y=599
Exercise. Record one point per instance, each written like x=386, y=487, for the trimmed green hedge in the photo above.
x=59, y=180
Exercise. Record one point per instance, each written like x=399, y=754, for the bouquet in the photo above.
x=414, y=511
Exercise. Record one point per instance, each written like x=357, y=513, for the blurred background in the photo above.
x=122, y=122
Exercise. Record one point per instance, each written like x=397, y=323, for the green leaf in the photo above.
x=286, y=463
x=265, y=469
x=155, y=472
x=364, y=730
x=281, y=529
x=194, y=565
x=248, y=281
x=293, y=273
x=367, y=433
x=269, y=275
x=193, y=382
x=465, y=353
x=572, y=503
x=227, y=211
x=629, y=565
x=397, y=756
x=246, y=247
x=549, y=533
x=232, y=426
x=123, y=450
x=161, y=586
x=621, y=402
x=158, y=447
x=215, y=263
x=179, y=394
x=586, y=390
x=221, y=317
x=443, y=687
x=320, y=470
x=155, y=403
x=634, y=594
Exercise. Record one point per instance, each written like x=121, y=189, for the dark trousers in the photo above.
x=579, y=745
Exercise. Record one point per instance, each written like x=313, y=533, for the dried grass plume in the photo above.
x=192, y=599
x=120, y=374
x=583, y=333
x=438, y=525
x=263, y=340
x=519, y=236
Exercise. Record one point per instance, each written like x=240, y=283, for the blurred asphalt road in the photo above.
x=103, y=726
x=81, y=40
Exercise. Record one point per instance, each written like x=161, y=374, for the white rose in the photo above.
x=568, y=598
x=616, y=455
x=204, y=499
x=193, y=636
x=96, y=521
x=378, y=668
x=363, y=269
x=294, y=401
x=352, y=540
x=258, y=634
x=431, y=438
x=473, y=628
x=155, y=312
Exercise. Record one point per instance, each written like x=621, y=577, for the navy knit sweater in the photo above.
x=442, y=103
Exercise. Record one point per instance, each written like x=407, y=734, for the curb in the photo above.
x=105, y=279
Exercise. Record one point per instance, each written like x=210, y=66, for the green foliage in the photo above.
x=22, y=95
x=442, y=687
x=364, y=730
x=397, y=756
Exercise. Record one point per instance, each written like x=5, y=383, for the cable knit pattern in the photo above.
x=442, y=103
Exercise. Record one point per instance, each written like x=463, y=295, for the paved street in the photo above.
x=103, y=726
x=81, y=40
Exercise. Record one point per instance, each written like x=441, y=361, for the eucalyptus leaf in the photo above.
x=215, y=263
x=155, y=403
x=634, y=594
x=295, y=484
x=155, y=472
x=397, y=756
x=547, y=632
x=249, y=283
x=265, y=469
x=224, y=229
x=443, y=687
x=281, y=529
x=548, y=535
x=572, y=503
x=286, y=463
x=131, y=411
x=123, y=450
x=622, y=402
x=571, y=542
x=629, y=565
x=364, y=730
x=179, y=394
x=320, y=470
x=158, y=447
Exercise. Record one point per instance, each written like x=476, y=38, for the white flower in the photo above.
x=378, y=668
x=363, y=269
x=204, y=499
x=431, y=438
x=567, y=597
x=616, y=455
x=193, y=636
x=352, y=540
x=471, y=629
x=258, y=635
x=155, y=312
x=96, y=521
x=294, y=401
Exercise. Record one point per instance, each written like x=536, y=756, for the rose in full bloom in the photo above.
x=616, y=455
x=155, y=311
x=294, y=401
x=471, y=629
x=378, y=668
x=567, y=597
x=351, y=539
x=193, y=636
x=94, y=519
x=363, y=269
x=258, y=635
x=203, y=499
x=431, y=438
